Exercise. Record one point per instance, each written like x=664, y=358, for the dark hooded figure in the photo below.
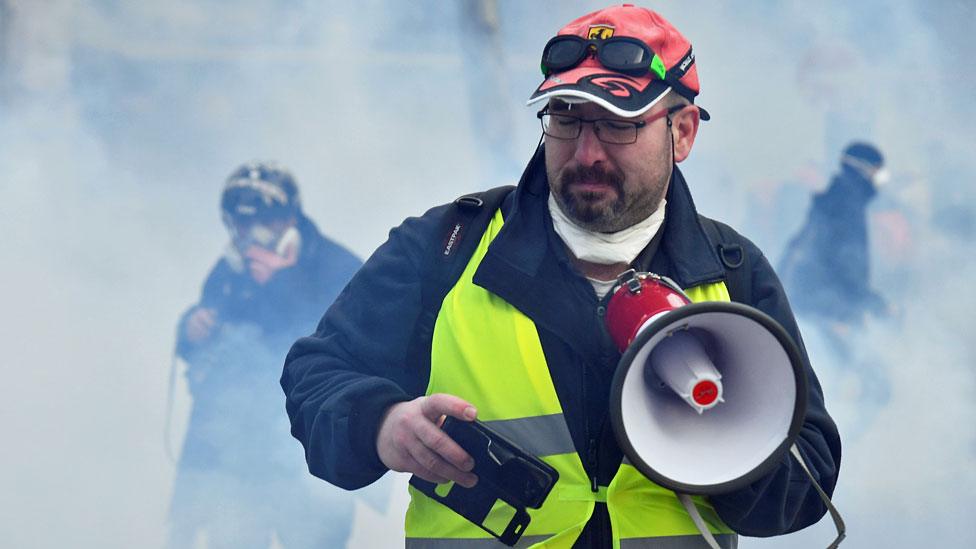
x=825, y=267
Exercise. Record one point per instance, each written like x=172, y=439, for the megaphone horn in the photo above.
x=707, y=396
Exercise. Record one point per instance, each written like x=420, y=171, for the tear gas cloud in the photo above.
x=119, y=121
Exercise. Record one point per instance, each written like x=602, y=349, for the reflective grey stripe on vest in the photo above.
x=539, y=435
x=478, y=543
x=726, y=541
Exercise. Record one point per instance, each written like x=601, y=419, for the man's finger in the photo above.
x=270, y=258
x=199, y=324
x=207, y=317
x=440, y=443
x=258, y=253
x=412, y=465
x=433, y=462
x=439, y=404
x=259, y=268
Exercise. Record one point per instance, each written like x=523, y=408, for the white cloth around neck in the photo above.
x=606, y=248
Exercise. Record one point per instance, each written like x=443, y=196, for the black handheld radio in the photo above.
x=509, y=481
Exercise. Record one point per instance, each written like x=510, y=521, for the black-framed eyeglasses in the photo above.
x=613, y=131
x=622, y=54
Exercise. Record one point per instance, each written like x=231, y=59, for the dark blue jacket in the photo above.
x=826, y=266
x=232, y=374
x=340, y=381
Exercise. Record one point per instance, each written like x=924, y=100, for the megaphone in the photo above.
x=707, y=396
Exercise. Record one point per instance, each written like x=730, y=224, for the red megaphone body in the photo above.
x=680, y=361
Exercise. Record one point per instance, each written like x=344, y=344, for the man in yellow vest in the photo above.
x=518, y=340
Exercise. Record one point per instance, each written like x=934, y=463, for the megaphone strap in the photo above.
x=834, y=513
x=696, y=517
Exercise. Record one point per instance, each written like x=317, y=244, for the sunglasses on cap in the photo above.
x=622, y=54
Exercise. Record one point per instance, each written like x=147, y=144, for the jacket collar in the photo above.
x=522, y=242
x=520, y=267
x=685, y=254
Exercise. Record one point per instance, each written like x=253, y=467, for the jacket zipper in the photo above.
x=592, y=465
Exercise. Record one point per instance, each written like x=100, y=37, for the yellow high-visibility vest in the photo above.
x=488, y=353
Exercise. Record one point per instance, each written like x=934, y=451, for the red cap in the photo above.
x=619, y=93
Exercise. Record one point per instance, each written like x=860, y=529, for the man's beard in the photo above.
x=581, y=206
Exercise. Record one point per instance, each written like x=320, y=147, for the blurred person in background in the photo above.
x=826, y=265
x=240, y=476
x=826, y=272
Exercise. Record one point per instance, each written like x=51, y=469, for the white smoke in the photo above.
x=119, y=121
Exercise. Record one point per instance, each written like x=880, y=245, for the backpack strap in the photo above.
x=459, y=235
x=738, y=266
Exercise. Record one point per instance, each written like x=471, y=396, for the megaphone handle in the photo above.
x=834, y=514
x=696, y=517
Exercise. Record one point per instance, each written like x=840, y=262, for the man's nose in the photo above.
x=589, y=149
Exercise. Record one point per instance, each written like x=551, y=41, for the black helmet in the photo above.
x=259, y=191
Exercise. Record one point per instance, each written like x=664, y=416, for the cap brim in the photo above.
x=620, y=94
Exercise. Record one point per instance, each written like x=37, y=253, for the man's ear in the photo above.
x=684, y=128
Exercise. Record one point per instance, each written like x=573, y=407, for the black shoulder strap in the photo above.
x=459, y=235
x=738, y=267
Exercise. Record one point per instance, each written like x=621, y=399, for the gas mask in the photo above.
x=262, y=236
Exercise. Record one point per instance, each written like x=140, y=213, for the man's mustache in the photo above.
x=595, y=174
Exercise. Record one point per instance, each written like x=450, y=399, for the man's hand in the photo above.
x=263, y=264
x=410, y=440
x=199, y=324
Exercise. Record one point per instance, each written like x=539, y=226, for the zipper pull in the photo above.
x=591, y=459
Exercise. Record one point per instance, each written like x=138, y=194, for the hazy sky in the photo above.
x=120, y=120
